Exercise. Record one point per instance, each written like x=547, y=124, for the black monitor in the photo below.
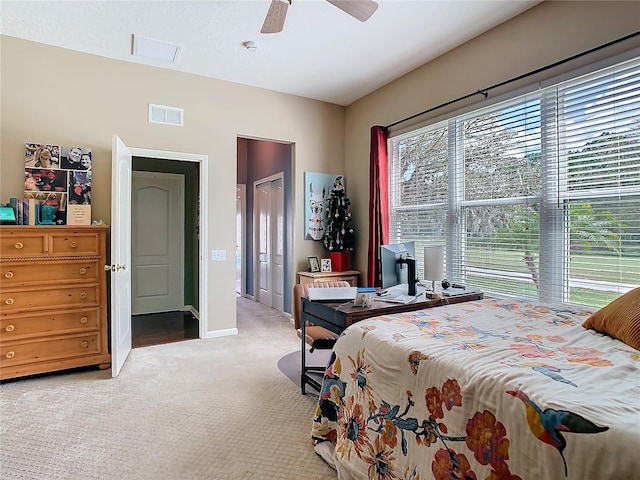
x=398, y=262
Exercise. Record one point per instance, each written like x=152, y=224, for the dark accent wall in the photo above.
x=191, y=172
x=258, y=159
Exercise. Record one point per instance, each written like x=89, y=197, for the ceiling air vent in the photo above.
x=146, y=48
x=166, y=115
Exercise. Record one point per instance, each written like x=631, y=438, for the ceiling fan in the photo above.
x=274, y=21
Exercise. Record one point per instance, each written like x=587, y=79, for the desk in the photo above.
x=336, y=317
x=350, y=276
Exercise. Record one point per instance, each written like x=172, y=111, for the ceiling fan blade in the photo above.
x=274, y=21
x=359, y=9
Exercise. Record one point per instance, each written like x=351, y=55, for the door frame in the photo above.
x=256, y=232
x=179, y=180
x=241, y=194
x=203, y=227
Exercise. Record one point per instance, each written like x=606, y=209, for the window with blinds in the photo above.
x=537, y=196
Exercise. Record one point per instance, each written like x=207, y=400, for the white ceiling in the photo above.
x=322, y=54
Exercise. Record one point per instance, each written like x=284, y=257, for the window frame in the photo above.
x=554, y=197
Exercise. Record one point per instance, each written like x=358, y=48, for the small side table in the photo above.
x=350, y=276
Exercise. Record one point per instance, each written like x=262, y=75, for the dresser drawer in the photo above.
x=13, y=326
x=49, y=297
x=22, y=243
x=74, y=243
x=62, y=271
x=67, y=346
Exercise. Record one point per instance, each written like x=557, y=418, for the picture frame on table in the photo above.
x=314, y=264
x=325, y=266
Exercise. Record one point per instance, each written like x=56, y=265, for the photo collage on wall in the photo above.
x=59, y=177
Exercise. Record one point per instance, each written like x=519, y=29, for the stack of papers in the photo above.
x=397, y=299
x=400, y=294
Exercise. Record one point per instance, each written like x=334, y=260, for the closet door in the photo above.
x=269, y=241
x=277, y=244
x=263, y=244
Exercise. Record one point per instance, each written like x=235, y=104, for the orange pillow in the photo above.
x=620, y=319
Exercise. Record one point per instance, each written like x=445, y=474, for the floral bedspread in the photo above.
x=490, y=389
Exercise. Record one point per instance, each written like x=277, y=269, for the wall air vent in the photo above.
x=166, y=115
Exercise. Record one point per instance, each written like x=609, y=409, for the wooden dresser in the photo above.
x=53, y=299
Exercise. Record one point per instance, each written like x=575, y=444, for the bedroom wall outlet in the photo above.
x=218, y=255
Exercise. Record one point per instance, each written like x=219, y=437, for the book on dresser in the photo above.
x=54, y=299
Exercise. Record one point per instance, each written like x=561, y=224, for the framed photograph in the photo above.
x=326, y=265
x=75, y=158
x=314, y=264
x=37, y=155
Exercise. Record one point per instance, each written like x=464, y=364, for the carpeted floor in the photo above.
x=198, y=409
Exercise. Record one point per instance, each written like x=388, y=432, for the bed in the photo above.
x=491, y=389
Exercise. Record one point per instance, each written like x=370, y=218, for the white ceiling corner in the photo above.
x=322, y=53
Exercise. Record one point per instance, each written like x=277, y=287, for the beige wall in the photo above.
x=55, y=96
x=543, y=35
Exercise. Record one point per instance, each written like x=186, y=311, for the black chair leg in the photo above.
x=312, y=381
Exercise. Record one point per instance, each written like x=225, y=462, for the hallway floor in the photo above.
x=166, y=327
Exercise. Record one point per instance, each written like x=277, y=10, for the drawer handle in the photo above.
x=74, y=244
x=9, y=274
x=83, y=271
x=19, y=245
x=84, y=320
x=83, y=295
x=9, y=301
x=10, y=328
x=10, y=354
x=84, y=344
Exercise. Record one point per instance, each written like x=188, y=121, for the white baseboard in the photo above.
x=194, y=312
x=290, y=317
x=222, y=333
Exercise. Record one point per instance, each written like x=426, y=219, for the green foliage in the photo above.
x=590, y=228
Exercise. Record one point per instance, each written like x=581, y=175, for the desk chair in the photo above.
x=315, y=336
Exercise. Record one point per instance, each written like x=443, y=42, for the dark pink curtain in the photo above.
x=378, y=203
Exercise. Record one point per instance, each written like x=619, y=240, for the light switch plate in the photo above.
x=218, y=255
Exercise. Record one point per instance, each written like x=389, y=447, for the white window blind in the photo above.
x=538, y=196
x=599, y=152
x=419, y=181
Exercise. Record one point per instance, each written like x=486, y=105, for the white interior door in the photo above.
x=269, y=239
x=262, y=197
x=120, y=255
x=277, y=243
x=157, y=242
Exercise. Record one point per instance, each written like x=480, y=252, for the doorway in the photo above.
x=121, y=206
x=165, y=260
x=258, y=160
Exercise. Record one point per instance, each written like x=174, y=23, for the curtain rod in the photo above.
x=484, y=91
